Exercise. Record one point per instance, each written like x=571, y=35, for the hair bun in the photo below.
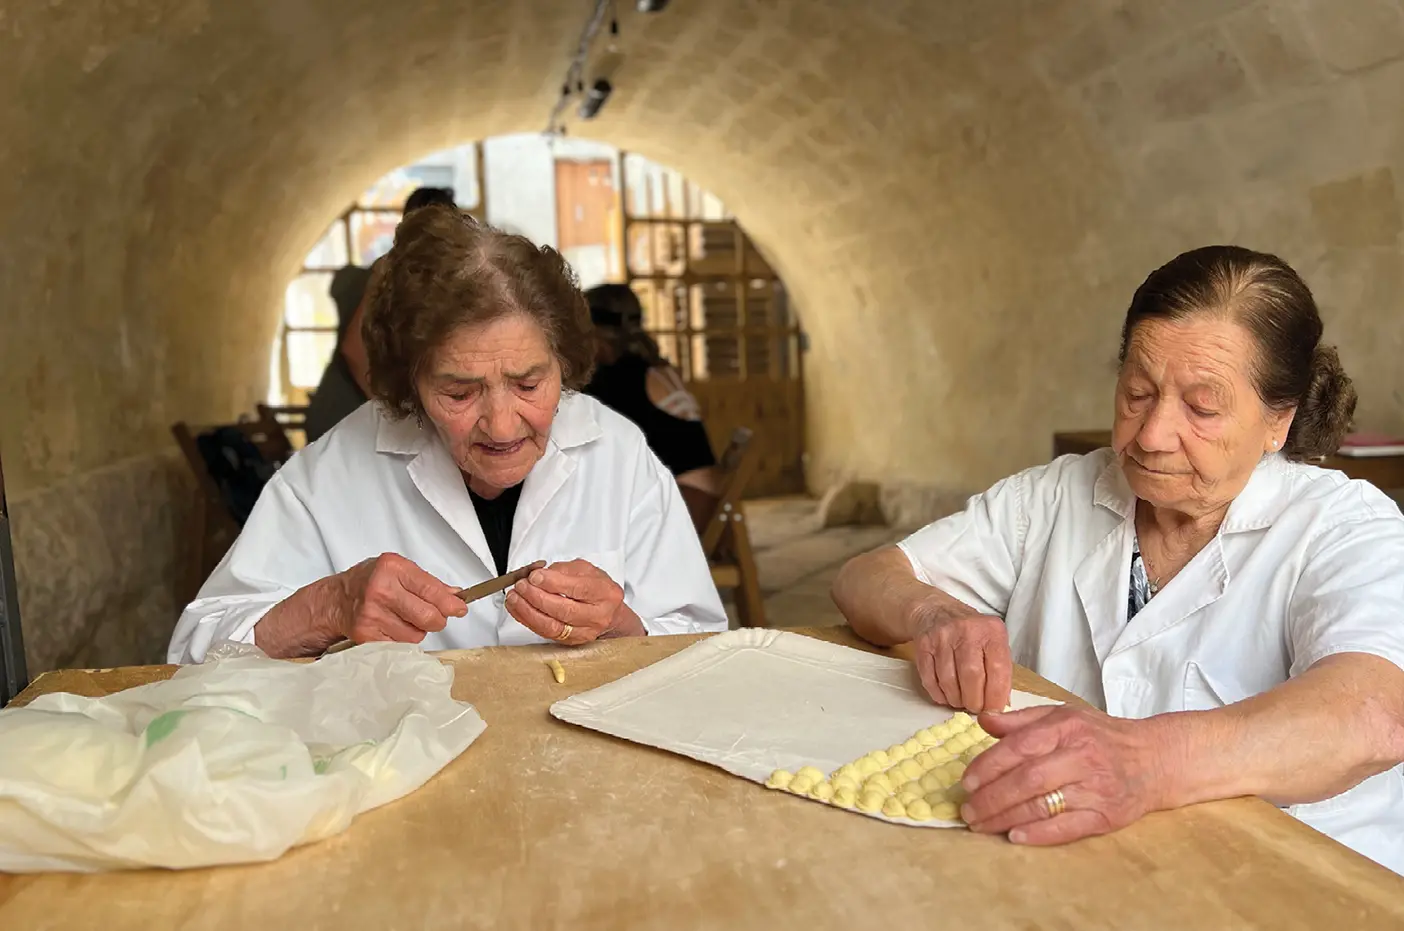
x=1325, y=412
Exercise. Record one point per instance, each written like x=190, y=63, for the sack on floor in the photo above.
x=235, y=760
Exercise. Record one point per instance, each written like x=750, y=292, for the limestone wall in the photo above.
x=961, y=196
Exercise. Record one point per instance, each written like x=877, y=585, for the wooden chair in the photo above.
x=13, y=678
x=292, y=418
x=726, y=540
x=215, y=528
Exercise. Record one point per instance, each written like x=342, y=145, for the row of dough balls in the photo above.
x=918, y=779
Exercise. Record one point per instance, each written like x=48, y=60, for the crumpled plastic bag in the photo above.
x=235, y=760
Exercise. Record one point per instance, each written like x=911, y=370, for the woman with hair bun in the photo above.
x=1234, y=615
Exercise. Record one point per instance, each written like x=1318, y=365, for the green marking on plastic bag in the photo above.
x=161, y=727
x=320, y=766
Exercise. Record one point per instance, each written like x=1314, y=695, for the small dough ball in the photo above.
x=937, y=798
x=867, y=766
x=801, y=784
x=809, y=773
x=977, y=731
x=780, y=779
x=945, y=777
x=844, y=797
x=844, y=782
x=912, y=746
x=931, y=782
x=927, y=737
x=871, y=800
x=909, y=793
x=894, y=808
x=881, y=758
x=946, y=811
x=910, y=768
x=849, y=770
x=879, y=782
x=919, y=810
x=823, y=792
x=896, y=753
x=940, y=755
x=962, y=720
x=989, y=742
x=971, y=753
x=924, y=760
x=943, y=731
x=957, y=744
x=956, y=768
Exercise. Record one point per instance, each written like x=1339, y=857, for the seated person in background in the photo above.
x=632, y=378
x=477, y=457
x=345, y=383
x=1234, y=616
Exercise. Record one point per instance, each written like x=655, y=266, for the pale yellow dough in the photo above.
x=919, y=810
x=910, y=769
x=946, y=811
x=894, y=808
x=871, y=800
x=823, y=792
x=557, y=671
x=844, y=797
x=780, y=779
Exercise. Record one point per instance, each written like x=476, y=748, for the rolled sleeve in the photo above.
x=667, y=583
x=279, y=551
x=1350, y=595
x=974, y=555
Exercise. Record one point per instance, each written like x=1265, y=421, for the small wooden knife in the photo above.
x=470, y=595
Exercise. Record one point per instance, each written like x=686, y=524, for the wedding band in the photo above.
x=1055, y=803
x=566, y=631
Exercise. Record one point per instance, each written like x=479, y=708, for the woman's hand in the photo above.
x=1107, y=769
x=573, y=602
x=964, y=661
x=385, y=598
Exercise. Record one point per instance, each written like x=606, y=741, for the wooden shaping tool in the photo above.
x=470, y=595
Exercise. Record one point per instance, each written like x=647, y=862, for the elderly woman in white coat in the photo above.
x=1234, y=616
x=476, y=456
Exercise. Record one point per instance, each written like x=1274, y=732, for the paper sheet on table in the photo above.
x=754, y=701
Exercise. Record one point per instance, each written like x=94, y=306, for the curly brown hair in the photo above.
x=446, y=270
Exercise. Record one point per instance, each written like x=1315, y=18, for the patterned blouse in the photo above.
x=1140, y=590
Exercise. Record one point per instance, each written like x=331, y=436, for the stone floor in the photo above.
x=798, y=560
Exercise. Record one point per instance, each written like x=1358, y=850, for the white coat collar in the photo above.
x=575, y=425
x=1257, y=506
x=438, y=478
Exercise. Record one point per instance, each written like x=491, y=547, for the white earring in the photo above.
x=1274, y=444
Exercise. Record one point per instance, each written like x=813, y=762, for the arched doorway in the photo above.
x=719, y=311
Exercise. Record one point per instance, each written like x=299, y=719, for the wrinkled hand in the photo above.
x=573, y=602
x=964, y=662
x=391, y=598
x=1106, y=768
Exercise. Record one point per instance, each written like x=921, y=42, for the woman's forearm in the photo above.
x=1309, y=739
x=305, y=623
x=885, y=602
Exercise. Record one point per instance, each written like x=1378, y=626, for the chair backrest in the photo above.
x=264, y=433
x=288, y=417
x=737, y=464
x=13, y=677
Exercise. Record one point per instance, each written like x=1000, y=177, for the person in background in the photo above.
x=345, y=383
x=633, y=378
x=476, y=456
x=1233, y=616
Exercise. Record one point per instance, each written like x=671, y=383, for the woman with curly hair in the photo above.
x=478, y=455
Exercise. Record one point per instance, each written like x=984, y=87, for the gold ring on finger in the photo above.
x=566, y=631
x=1055, y=803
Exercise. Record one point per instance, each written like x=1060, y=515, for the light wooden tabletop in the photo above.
x=542, y=825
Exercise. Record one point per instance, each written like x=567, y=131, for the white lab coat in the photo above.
x=375, y=485
x=1307, y=563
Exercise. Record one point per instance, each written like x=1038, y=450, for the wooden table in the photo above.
x=543, y=825
x=1384, y=472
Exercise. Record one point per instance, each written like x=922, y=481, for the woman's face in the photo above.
x=491, y=392
x=1190, y=427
